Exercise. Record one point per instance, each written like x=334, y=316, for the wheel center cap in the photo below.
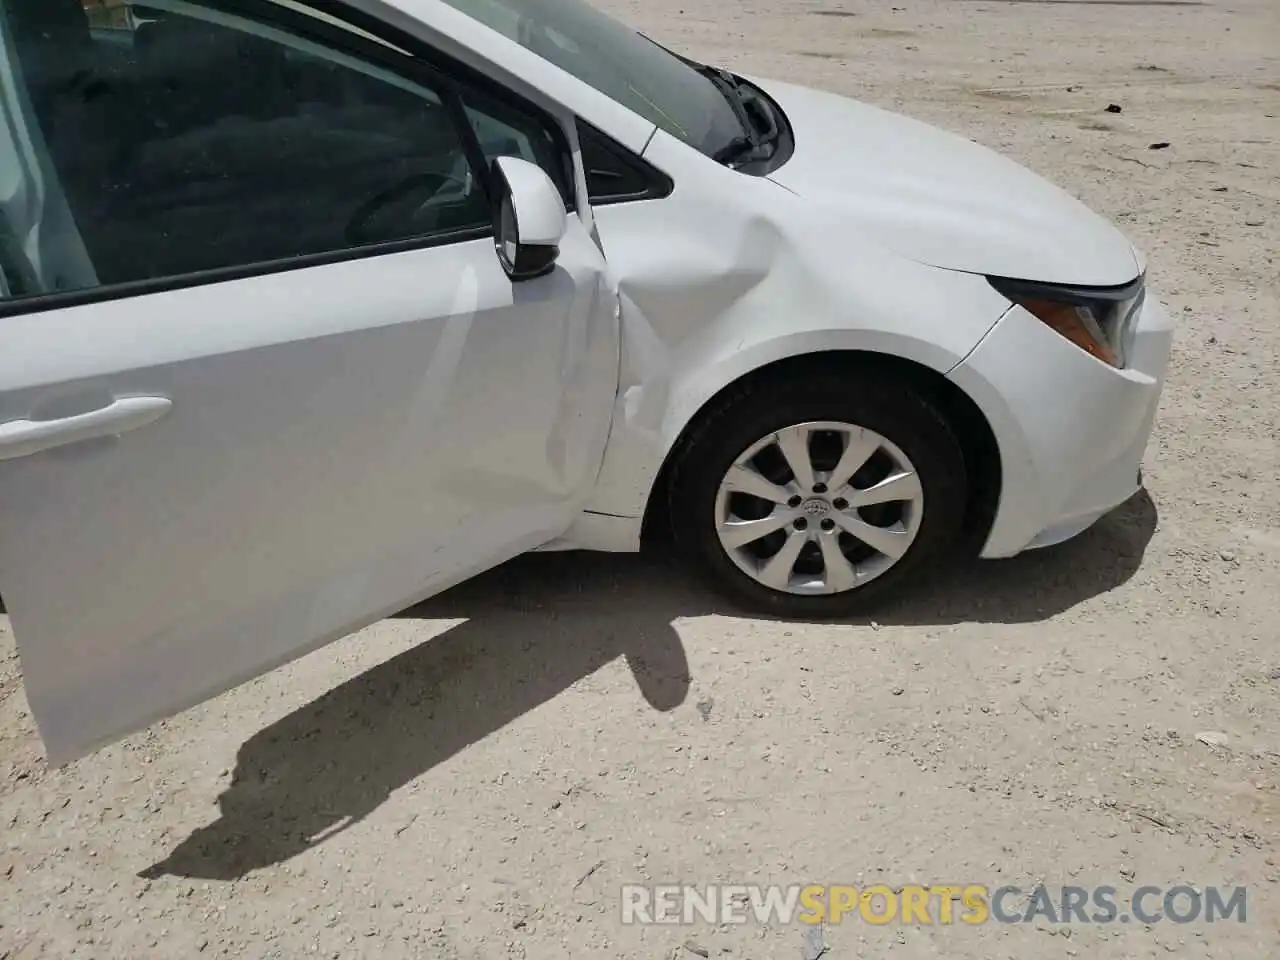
x=815, y=507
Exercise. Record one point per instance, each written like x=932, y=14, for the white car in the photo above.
x=313, y=308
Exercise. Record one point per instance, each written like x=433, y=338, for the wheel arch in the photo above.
x=978, y=442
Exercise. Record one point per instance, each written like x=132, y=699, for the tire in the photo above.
x=812, y=405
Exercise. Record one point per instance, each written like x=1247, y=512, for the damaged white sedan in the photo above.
x=312, y=308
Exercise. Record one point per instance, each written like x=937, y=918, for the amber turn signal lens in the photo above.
x=1063, y=318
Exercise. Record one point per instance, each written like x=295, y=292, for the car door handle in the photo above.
x=22, y=438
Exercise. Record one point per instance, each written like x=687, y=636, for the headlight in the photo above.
x=1098, y=320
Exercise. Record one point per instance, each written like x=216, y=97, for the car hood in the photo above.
x=940, y=199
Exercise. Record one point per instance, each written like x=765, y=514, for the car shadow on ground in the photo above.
x=535, y=627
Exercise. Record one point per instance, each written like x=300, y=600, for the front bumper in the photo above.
x=1071, y=430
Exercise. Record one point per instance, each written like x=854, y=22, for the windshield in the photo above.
x=617, y=61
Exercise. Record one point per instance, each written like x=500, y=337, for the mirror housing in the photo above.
x=529, y=220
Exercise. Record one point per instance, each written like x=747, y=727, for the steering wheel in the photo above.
x=405, y=207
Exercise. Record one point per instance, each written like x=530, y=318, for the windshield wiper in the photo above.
x=737, y=150
x=759, y=128
x=727, y=84
x=755, y=140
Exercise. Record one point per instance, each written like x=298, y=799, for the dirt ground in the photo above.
x=477, y=777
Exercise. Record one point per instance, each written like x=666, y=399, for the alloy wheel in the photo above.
x=819, y=508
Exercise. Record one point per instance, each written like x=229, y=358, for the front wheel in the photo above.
x=812, y=497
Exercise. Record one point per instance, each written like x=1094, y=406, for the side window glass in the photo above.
x=504, y=131
x=156, y=141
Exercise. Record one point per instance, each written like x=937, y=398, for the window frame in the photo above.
x=371, y=41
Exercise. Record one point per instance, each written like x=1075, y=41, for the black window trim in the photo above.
x=425, y=65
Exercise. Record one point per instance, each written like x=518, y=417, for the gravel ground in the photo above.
x=576, y=722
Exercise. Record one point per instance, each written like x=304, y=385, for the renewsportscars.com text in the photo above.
x=940, y=904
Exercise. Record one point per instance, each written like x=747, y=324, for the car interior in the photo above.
x=184, y=145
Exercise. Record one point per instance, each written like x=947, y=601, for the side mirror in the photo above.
x=530, y=219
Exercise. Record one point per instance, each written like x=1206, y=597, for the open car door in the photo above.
x=244, y=413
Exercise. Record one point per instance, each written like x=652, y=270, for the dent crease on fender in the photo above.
x=738, y=275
